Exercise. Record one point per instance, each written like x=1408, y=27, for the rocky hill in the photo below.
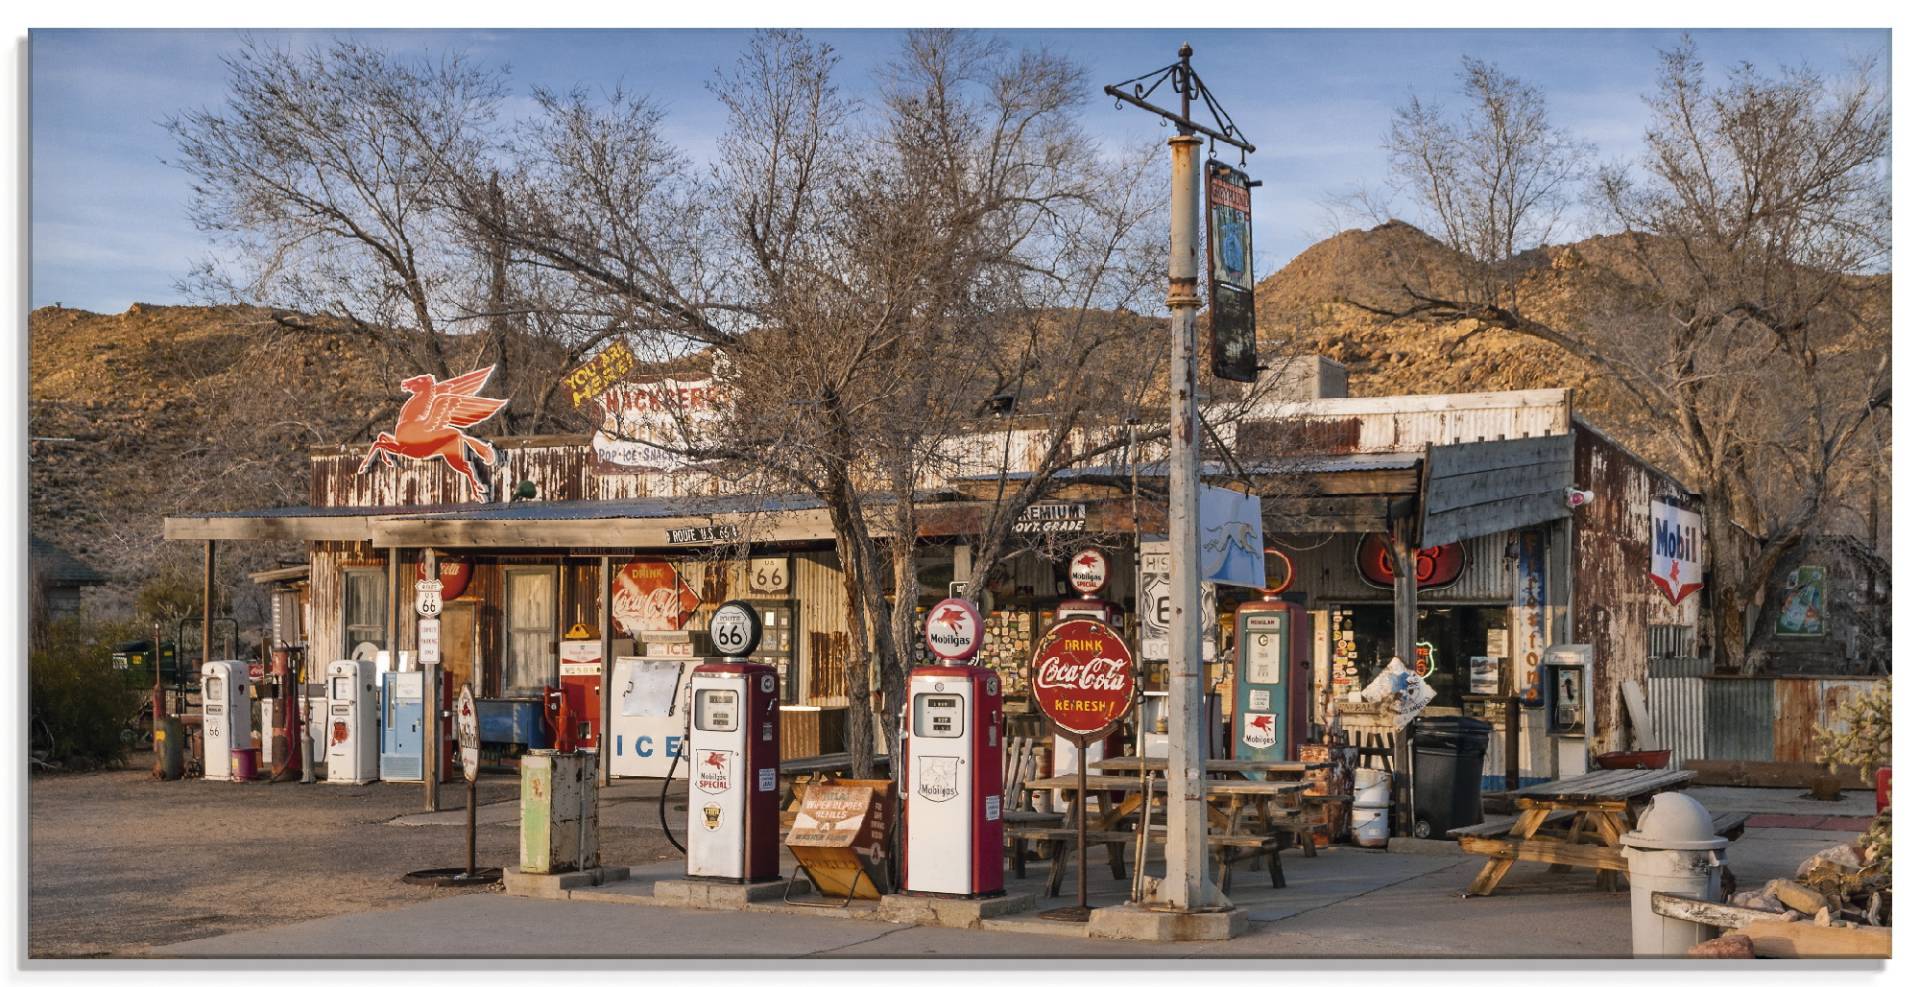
x=161, y=409
x=164, y=409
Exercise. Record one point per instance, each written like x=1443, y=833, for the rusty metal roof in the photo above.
x=1356, y=462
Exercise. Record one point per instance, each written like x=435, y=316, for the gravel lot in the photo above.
x=119, y=862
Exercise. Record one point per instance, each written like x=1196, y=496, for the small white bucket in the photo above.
x=1372, y=786
x=1370, y=825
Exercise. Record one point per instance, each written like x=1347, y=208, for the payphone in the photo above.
x=953, y=751
x=1568, y=670
x=353, y=723
x=733, y=756
x=402, y=726
x=1271, y=665
x=226, y=716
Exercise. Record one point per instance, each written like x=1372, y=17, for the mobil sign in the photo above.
x=1679, y=548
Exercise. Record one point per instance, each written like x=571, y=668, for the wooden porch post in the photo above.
x=1406, y=627
x=206, y=612
x=606, y=667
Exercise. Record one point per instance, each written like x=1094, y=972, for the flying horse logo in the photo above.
x=430, y=425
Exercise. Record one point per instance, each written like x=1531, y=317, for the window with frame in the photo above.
x=363, y=609
x=532, y=608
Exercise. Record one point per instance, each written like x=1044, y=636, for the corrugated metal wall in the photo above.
x=1739, y=719
x=1328, y=572
x=1410, y=423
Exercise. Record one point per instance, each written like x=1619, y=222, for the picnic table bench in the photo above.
x=1247, y=819
x=1575, y=822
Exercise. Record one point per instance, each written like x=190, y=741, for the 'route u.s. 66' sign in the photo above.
x=1082, y=677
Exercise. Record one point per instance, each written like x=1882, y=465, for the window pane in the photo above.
x=530, y=615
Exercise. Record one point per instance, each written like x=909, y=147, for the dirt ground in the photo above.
x=119, y=862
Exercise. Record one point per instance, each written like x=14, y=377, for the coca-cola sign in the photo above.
x=1082, y=676
x=953, y=630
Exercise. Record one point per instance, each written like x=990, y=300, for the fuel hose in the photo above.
x=664, y=784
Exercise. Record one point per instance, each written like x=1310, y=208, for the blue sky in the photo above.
x=109, y=224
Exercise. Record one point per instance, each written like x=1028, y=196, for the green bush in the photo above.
x=79, y=701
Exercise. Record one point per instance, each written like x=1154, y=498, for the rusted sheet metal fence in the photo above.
x=1410, y=423
x=1733, y=718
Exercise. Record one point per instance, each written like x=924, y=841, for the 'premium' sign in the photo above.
x=1047, y=518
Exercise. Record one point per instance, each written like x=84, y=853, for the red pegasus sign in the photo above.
x=430, y=426
x=1082, y=677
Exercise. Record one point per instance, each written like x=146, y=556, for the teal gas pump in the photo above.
x=1273, y=650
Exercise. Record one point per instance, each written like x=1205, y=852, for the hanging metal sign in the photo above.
x=1433, y=568
x=431, y=422
x=1230, y=264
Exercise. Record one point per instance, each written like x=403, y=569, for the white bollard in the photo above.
x=1674, y=849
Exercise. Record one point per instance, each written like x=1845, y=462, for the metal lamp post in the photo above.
x=1187, y=886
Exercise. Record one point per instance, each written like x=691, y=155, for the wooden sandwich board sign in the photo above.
x=837, y=820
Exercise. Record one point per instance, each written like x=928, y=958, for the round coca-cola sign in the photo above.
x=954, y=630
x=1088, y=571
x=1082, y=676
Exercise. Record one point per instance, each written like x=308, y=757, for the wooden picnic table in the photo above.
x=1573, y=822
x=1130, y=764
x=1245, y=820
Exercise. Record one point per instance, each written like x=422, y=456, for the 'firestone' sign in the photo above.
x=1082, y=677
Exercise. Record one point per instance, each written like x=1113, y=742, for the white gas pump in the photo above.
x=226, y=716
x=353, y=724
x=953, y=771
x=733, y=757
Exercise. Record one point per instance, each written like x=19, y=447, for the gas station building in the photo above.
x=568, y=553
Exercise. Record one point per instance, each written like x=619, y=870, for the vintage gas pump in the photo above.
x=1569, y=681
x=1272, y=663
x=282, y=714
x=733, y=751
x=227, y=716
x=353, y=723
x=403, y=726
x=580, y=661
x=953, y=763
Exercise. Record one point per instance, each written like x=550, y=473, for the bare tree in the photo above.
x=1744, y=313
x=323, y=182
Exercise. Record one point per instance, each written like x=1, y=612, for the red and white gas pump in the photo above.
x=953, y=751
x=733, y=757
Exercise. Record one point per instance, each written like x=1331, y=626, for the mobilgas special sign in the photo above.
x=1678, y=550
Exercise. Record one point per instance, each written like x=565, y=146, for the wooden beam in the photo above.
x=645, y=533
x=1545, y=852
x=355, y=528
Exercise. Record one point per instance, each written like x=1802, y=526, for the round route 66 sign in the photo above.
x=735, y=629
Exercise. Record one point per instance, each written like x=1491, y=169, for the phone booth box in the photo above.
x=733, y=768
x=1273, y=643
x=227, y=716
x=1567, y=670
x=954, y=832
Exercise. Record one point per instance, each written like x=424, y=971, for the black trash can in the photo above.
x=1448, y=752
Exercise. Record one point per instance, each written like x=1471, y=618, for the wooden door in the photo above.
x=457, y=647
